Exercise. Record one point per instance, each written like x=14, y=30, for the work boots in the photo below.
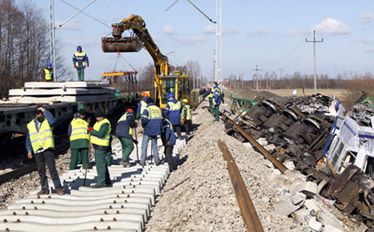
x=58, y=191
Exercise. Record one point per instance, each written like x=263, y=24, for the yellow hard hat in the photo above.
x=185, y=100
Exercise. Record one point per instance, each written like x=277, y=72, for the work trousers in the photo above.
x=211, y=105
x=169, y=157
x=127, y=147
x=154, y=151
x=80, y=73
x=103, y=177
x=188, y=126
x=47, y=158
x=216, y=113
x=178, y=130
x=78, y=156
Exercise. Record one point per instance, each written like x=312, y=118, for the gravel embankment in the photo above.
x=199, y=196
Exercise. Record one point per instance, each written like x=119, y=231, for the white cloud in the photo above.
x=209, y=29
x=191, y=40
x=260, y=33
x=332, y=27
x=168, y=30
x=71, y=25
x=367, y=17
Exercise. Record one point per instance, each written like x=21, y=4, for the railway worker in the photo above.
x=142, y=104
x=210, y=99
x=173, y=113
x=217, y=100
x=47, y=72
x=80, y=62
x=168, y=140
x=124, y=131
x=39, y=140
x=100, y=139
x=79, y=141
x=152, y=123
x=186, y=119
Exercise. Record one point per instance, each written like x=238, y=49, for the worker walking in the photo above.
x=142, y=105
x=124, y=131
x=186, y=118
x=80, y=61
x=168, y=139
x=47, y=72
x=39, y=140
x=210, y=99
x=100, y=139
x=173, y=113
x=79, y=141
x=152, y=123
x=217, y=100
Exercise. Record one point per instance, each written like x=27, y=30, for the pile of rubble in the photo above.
x=312, y=135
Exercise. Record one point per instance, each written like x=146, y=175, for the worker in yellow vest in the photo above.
x=47, y=72
x=80, y=62
x=79, y=141
x=186, y=118
x=40, y=142
x=100, y=139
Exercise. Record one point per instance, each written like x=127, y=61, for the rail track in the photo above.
x=246, y=205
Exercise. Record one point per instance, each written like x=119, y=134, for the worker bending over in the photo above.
x=152, y=123
x=79, y=141
x=39, y=140
x=100, y=139
x=173, y=113
x=186, y=118
x=80, y=61
x=124, y=131
x=168, y=140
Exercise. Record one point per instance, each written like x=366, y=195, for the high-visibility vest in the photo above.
x=48, y=74
x=154, y=112
x=104, y=142
x=42, y=139
x=80, y=59
x=143, y=105
x=174, y=106
x=188, y=110
x=210, y=95
x=79, y=129
x=124, y=118
x=168, y=124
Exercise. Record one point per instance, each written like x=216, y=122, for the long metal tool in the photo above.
x=246, y=206
x=253, y=141
x=136, y=144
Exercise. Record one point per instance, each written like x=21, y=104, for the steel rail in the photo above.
x=258, y=146
x=246, y=205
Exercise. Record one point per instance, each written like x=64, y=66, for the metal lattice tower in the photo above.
x=218, y=53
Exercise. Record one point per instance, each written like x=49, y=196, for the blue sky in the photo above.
x=268, y=33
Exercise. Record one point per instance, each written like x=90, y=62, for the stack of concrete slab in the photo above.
x=47, y=92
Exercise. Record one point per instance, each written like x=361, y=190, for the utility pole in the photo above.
x=218, y=53
x=52, y=44
x=314, y=41
x=256, y=70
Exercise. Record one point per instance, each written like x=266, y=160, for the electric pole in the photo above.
x=256, y=75
x=314, y=41
x=52, y=44
x=218, y=52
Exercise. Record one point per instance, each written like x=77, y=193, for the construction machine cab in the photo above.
x=176, y=83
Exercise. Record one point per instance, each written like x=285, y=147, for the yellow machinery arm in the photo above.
x=126, y=44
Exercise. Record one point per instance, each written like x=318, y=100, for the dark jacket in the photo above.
x=217, y=95
x=124, y=124
x=51, y=120
x=152, y=123
x=168, y=134
x=173, y=114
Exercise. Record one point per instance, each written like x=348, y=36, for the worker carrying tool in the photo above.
x=100, y=139
x=39, y=140
x=142, y=104
x=79, y=141
x=125, y=131
x=168, y=139
x=152, y=123
x=186, y=118
x=218, y=96
x=47, y=72
x=80, y=62
x=173, y=113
